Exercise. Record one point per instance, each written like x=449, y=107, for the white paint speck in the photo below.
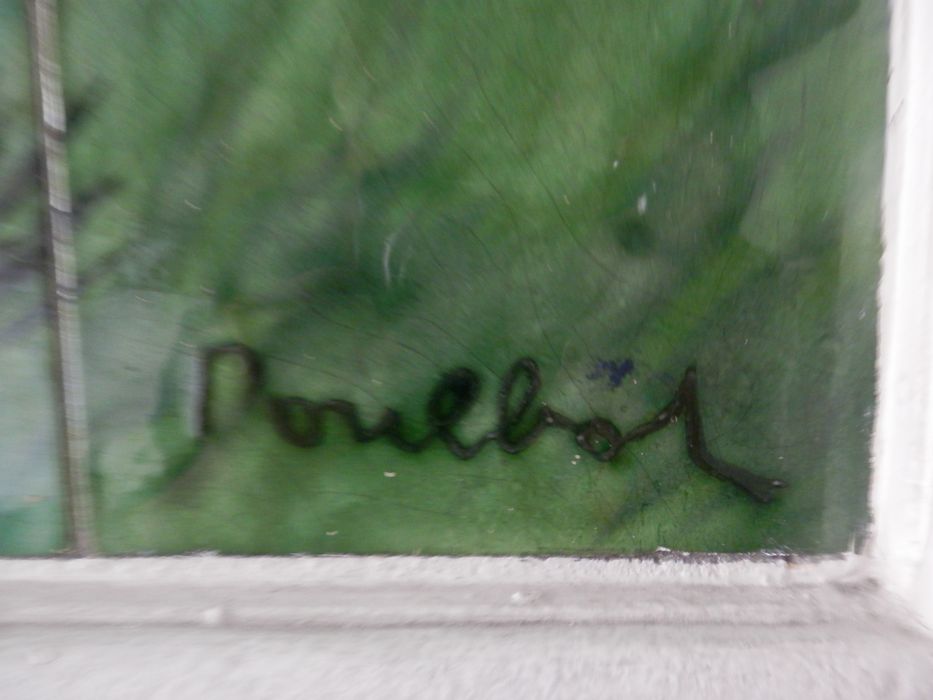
x=387, y=257
x=643, y=204
x=390, y=475
x=212, y=616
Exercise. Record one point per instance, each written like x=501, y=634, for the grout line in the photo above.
x=61, y=276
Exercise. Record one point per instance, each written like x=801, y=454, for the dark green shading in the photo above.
x=373, y=194
x=30, y=513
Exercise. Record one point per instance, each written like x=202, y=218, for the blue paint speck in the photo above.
x=613, y=370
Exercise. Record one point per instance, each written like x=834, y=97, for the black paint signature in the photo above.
x=300, y=421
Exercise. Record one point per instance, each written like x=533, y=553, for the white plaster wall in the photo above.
x=402, y=627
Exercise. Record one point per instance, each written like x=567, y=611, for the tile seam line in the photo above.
x=61, y=278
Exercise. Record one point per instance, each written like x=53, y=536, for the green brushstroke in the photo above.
x=30, y=515
x=372, y=193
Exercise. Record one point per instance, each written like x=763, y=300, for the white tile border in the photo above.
x=398, y=591
x=663, y=568
x=902, y=481
x=376, y=592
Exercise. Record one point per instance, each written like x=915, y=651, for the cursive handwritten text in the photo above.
x=300, y=421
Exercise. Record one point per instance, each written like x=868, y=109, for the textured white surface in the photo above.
x=591, y=661
x=902, y=494
x=662, y=568
x=401, y=627
x=368, y=591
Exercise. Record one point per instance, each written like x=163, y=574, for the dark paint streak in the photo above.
x=300, y=421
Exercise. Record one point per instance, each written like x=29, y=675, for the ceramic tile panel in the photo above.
x=462, y=278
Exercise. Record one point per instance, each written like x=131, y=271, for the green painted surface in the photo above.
x=30, y=520
x=370, y=194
